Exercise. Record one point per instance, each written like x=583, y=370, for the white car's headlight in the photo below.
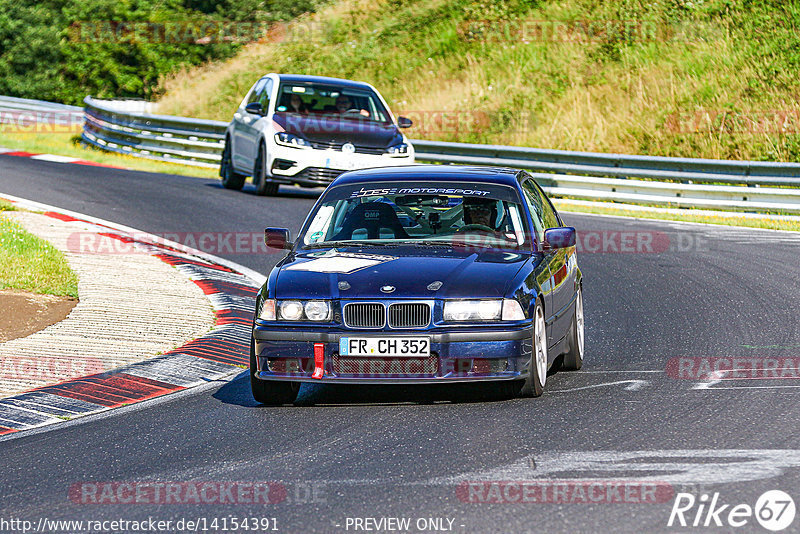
x=483, y=310
x=295, y=141
x=398, y=150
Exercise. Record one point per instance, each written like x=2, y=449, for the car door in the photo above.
x=244, y=128
x=564, y=272
x=558, y=294
x=256, y=126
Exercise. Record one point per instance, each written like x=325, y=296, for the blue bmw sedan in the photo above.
x=421, y=274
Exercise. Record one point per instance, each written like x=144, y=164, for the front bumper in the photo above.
x=456, y=356
x=319, y=167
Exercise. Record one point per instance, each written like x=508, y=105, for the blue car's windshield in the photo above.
x=429, y=214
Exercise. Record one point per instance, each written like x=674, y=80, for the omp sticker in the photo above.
x=333, y=265
x=333, y=261
x=359, y=255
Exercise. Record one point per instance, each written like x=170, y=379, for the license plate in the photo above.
x=385, y=346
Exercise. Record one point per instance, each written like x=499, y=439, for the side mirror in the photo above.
x=277, y=238
x=555, y=238
x=254, y=108
x=404, y=122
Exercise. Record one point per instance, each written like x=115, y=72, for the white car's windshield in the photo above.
x=431, y=214
x=330, y=100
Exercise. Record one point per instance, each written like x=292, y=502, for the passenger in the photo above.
x=296, y=105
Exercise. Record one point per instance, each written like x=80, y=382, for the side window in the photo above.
x=548, y=213
x=265, y=95
x=534, y=202
x=256, y=93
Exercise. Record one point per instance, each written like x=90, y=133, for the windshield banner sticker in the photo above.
x=416, y=191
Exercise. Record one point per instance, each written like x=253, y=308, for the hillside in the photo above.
x=714, y=78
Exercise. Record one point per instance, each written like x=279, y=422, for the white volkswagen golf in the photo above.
x=307, y=130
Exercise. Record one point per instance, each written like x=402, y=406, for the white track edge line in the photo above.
x=253, y=275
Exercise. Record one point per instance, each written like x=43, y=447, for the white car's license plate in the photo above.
x=385, y=346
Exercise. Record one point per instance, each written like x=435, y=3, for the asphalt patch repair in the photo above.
x=23, y=313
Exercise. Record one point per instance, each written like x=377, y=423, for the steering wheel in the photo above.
x=475, y=228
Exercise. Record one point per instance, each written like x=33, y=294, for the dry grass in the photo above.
x=568, y=95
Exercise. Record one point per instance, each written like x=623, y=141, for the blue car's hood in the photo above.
x=413, y=271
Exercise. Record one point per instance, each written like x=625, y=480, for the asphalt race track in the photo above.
x=697, y=293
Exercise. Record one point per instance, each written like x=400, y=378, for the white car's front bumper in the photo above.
x=313, y=167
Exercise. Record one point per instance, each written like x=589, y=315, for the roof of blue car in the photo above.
x=302, y=78
x=439, y=173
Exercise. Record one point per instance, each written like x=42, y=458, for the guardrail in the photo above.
x=110, y=126
x=681, y=182
x=28, y=115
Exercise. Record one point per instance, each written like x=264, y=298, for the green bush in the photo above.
x=62, y=50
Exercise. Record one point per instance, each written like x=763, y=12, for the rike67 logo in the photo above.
x=774, y=510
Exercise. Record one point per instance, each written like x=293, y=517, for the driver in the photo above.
x=344, y=104
x=480, y=211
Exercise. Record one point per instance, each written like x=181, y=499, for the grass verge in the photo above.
x=66, y=144
x=30, y=263
x=688, y=216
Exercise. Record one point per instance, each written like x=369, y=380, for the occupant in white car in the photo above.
x=345, y=105
x=296, y=105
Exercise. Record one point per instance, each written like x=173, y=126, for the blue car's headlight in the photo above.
x=317, y=310
x=291, y=310
x=398, y=150
x=483, y=310
x=295, y=141
x=295, y=310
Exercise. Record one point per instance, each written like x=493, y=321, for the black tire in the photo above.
x=271, y=393
x=573, y=359
x=263, y=186
x=537, y=373
x=230, y=178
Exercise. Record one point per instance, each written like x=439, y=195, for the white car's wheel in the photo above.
x=263, y=186
x=230, y=178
